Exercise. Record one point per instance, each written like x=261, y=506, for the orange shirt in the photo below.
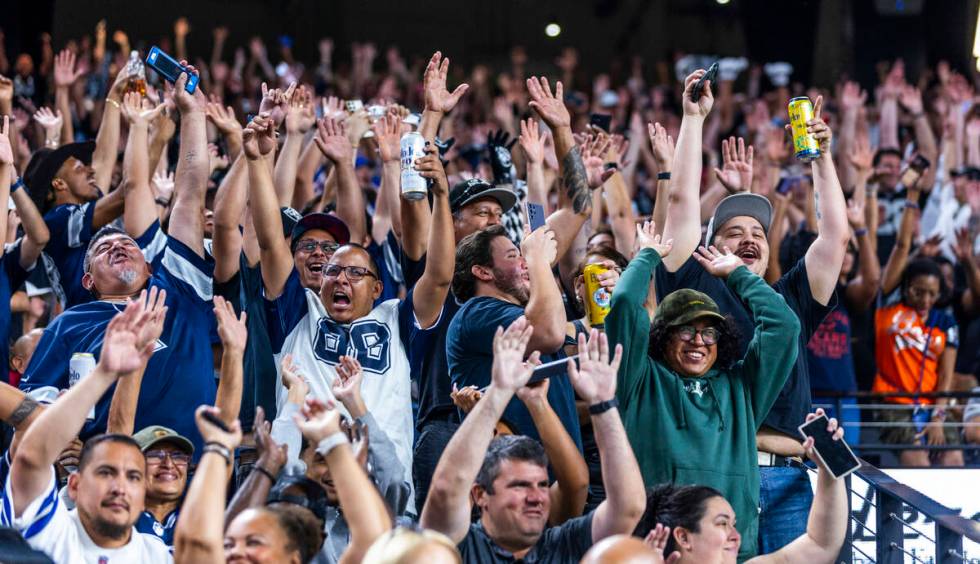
x=901, y=337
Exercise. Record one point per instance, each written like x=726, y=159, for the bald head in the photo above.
x=621, y=549
x=23, y=349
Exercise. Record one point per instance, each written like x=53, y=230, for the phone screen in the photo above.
x=535, y=215
x=837, y=456
x=549, y=369
x=602, y=121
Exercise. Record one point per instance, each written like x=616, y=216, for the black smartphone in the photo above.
x=170, y=69
x=786, y=184
x=535, y=216
x=837, y=456
x=711, y=75
x=601, y=121
x=553, y=368
x=919, y=164
x=216, y=421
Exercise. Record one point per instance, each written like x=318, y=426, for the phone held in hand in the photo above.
x=170, y=69
x=919, y=164
x=698, y=89
x=837, y=456
x=216, y=421
x=535, y=215
x=553, y=368
x=601, y=121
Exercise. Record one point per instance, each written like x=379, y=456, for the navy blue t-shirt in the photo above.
x=469, y=351
x=179, y=376
x=12, y=276
x=794, y=401
x=71, y=230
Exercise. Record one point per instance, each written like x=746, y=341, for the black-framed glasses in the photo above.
x=309, y=245
x=354, y=273
x=157, y=456
x=709, y=335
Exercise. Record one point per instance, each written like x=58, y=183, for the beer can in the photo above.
x=80, y=366
x=805, y=146
x=597, y=297
x=414, y=185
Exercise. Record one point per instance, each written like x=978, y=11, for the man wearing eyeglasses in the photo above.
x=168, y=456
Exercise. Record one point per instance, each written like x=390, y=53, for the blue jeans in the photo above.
x=785, y=497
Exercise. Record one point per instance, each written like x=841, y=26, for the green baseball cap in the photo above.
x=154, y=434
x=686, y=305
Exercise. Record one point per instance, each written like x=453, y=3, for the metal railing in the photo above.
x=892, y=501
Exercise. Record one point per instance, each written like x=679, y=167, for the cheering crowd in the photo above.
x=233, y=337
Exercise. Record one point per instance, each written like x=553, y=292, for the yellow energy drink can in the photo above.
x=805, y=146
x=597, y=298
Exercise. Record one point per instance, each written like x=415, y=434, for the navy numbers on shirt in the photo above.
x=367, y=340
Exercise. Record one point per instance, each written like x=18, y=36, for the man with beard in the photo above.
x=341, y=318
x=109, y=487
x=741, y=224
x=179, y=375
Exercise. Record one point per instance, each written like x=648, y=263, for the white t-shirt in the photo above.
x=50, y=527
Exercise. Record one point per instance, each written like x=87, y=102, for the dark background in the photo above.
x=823, y=39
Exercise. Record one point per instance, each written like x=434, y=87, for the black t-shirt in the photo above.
x=432, y=370
x=259, y=381
x=794, y=401
x=566, y=543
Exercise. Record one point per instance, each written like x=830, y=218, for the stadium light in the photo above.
x=723, y=2
x=976, y=38
x=552, y=29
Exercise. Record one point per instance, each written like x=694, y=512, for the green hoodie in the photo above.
x=691, y=430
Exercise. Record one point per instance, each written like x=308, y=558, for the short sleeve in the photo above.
x=687, y=276
x=187, y=271
x=153, y=243
x=44, y=518
x=570, y=541
x=952, y=331
x=284, y=313
x=70, y=227
x=479, y=324
x=794, y=286
x=16, y=274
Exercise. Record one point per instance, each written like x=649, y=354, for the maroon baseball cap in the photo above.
x=325, y=221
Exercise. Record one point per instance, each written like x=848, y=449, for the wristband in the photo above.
x=113, y=102
x=265, y=473
x=939, y=413
x=603, y=406
x=860, y=232
x=663, y=175
x=162, y=202
x=333, y=441
x=219, y=449
x=911, y=204
x=17, y=185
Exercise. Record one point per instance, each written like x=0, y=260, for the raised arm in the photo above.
x=234, y=335
x=333, y=142
x=61, y=422
x=438, y=100
x=300, y=118
x=447, y=508
x=199, y=537
x=662, y=146
x=532, y=143
x=107, y=139
x=863, y=288
x=925, y=139
x=229, y=207
x=140, y=210
x=825, y=256
x=433, y=287
x=277, y=261
x=595, y=382
x=387, y=211
x=191, y=180
x=7, y=172
x=65, y=74
x=272, y=456
x=899, y=257
x=683, y=223
x=363, y=508
x=544, y=310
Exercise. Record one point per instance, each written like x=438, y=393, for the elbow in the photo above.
x=40, y=237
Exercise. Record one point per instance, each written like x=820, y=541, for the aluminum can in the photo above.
x=80, y=366
x=597, y=297
x=805, y=146
x=414, y=185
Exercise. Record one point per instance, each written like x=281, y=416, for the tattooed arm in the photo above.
x=191, y=180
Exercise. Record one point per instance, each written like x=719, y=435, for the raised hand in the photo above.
x=852, y=97
x=736, y=171
x=430, y=166
x=211, y=433
x=702, y=107
x=837, y=433
x=647, y=238
x=510, y=371
x=593, y=157
x=437, y=97
x=387, y=135
x=930, y=247
x=231, y=327
x=294, y=382
x=120, y=354
x=777, y=149
x=185, y=101
x=532, y=142
x=258, y=138
x=357, y=124
x=300, y=115
x=6, y=90
x=855, y=213
x=346, y=387
x=317, y=420
x=332, y=107
x=662, y=145
x=595, y=377
x=657, y=540
x=539, y=245
x=550, y=107
x=223, y=118
x=49, y=121
x=163, y=185
x=963, y=249
x=911, y=99
x=534, y=394
x=6, y=151
x=819, y=128
x=718, y=264
x=331, y=139
x=499, y=145
x=466, y=398
x=139, y=112
x=154, y=308
x=272, y=455
x=65, y=73
x=862, y=156
x=274, y=102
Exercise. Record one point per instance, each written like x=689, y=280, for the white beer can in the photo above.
x=81, y=365
x=414, y=185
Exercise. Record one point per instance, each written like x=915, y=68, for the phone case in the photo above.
x=822, y=461
x=170, y=69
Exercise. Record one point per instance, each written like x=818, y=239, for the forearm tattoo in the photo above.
x=22, y=411
x=576, y=181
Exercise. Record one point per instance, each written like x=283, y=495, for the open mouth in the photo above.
x=165, y=477
x=748, y=255
x=341, y=299
x=118, y=256
x=316, y=267
x=694, y=355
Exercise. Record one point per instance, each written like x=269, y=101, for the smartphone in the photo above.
x=786, y=184
x=698, y=89
x=601, y=121
x=837, y=456
x=549, y=369
x=170, y=69
x=216, y=421
x=353, y=105
x=535, y=215
x=919, y=164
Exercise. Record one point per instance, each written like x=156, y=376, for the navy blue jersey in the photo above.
x=12, y=276
x=179, y=376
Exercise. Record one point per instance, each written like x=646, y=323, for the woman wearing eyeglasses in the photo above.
x=690, y=405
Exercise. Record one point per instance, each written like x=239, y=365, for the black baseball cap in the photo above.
x=325, y=221
x=475, y=189
x=290, y=218
x=971, y=172
x=311, y=495
x=44, y=165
